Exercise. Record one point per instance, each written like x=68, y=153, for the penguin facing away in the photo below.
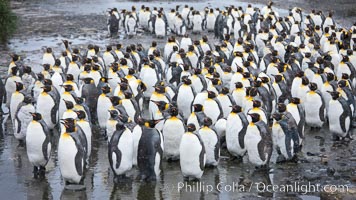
x=211, y=141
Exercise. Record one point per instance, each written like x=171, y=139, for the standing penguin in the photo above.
x=16, y=99
x=339, y=116
x=282, y=133
x=150, y=151
x=173, y=130
x=258, y=141
x=212, y=107
x=47, y=105
x=23, y=118
x=130, y=26
x=211, y=141
x=192, y=154
x=185, y=96
x=86, y=128
x=10, y=85
x=160, y=26
x=111, y=123
x=67, y=95
x=71, y=154
x=103, y=106
x=314, y=107
x=90, y=93
x=297, y=111
x=38, y=144
x=236, y=126
x=197, y=116
x=120, y=151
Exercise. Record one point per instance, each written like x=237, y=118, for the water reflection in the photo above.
x=73, y=195
x=39, y=189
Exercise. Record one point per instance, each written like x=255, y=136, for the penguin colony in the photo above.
x=253, y=92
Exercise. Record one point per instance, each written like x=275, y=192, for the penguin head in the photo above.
x=69, y=77
x=123, y=118
x=313, y=86
x=252, y=92
x=69, y=104
x=47, y=88
x=19, y=86
x=113, y=113
x=191, y=127
x=236, y=109
x=14, y=71
x=57, y=62
x=334, y=94
x=79, y=100
x=36, y=116
x=46, y=67
x=255, y=117
x=68, y=88
x=186, y=80
x=344, y=76
x=131, y=71
x=115, y=100
x=299, y=74
x=264, y=79
x=197, y=71
x=160, y=89
x=88, y=80
x=342, y=83
x=162, y=105
x=151, y=123
x=305, y=80
x=128, y=95
x=239, y=85
x=173, y=111
x=69, y=124
x=256, y=103
x=295, y=100
x=120, y=126
x=40, y=77
x=198, y=107
x=123, y=86
x=207, y=121
x=81, y=114
x=246, y=75
x=224, y=91
x=108, y=48
x=281, y=107
x=277, y=116
x=15, y=57
x=48, y=50
x=106, y=89
x=211, y=95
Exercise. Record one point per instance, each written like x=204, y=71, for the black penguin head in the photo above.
x=344, y=76
x=160, y=89
x=69, y=124
x=27, y=70
x=173, y=111
x=68, y=88
x=49, y=50
x=120, y=126
x=186, y=80
x=115, y=100
x=207, y=121
x=151, y=123
x=225, y=90
x=123, y=118
x=295, y=100
x=211, y=95
x=19, y=86
x=278, y=78
x=342, y=83
x=106, y=89
x=79, y=100
x=124, y=80
x=255, y=117
x=47, y=88
x=236, y=109
x=191, y=127
x=162, y=105
x=69, y=77
x=88, y=80
x=197, y=71
x=334, y=94
x=253, y=92
x=264, y=79
x=123, y=86
x=198, y=107
x=256, y=103
x=81, y=114
x=246, y=75
x=46, y=67
x=277, y=116
x=57, y=62
x=69, y=104
x=15, y=57
x=313, y=86
x=305, y=80
x=131, y=71
x=36, y=116
x=27, y=99
x=128, y=95
x=281, y=107
x=113, y=113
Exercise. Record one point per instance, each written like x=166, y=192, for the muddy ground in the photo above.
x=44, y=23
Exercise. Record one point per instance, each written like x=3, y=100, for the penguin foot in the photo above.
x=35, y=172
x=42, y=171
x=281, y=159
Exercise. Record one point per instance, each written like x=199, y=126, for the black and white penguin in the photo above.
x=197, y=116
x=10, y=84
x=158, y=95
x=160, y=26
x=150, y=151
x=103, y=106
x=136, y=134
x=48, y=57
x=71, y=154
x=212, y=107
x=130, y=25
x=236, y=126
x=173, y=130
x=339, y=116
x=47, y=105
x=67, y=95
x=226, y=100
x=38, y=144
x=111, y=123
x=185, y=96
x=282, y=134
x=258, y=142
x=16, y=99
x=23, y=118
x=120, y=151
x=192, y=154
x=210, y=20
x=211, y=141
x=197, y=22
x=314, y=107
x=131, y=106
x=86, y=128
x=90, y=93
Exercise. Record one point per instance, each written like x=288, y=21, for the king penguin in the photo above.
x=212, y=107
x=47, y=105
x=211, y=141
x=38, y=144
x=258, y=141
x=16, y=99
x=23, y=118
x=150, y=152
x=185, y=96
x=236, y=126
x=103, y=106
x=173, y=130
x=120, y=151
x=86, y=128
x=314, y=107
x=192, y=154
x=67, y=95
